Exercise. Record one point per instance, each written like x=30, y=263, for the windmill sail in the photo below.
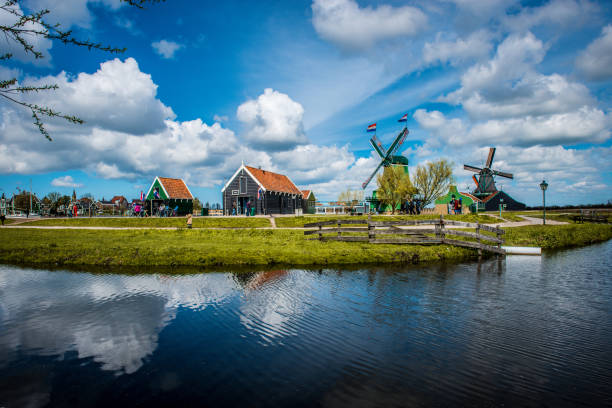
x=490, y=158
x=365, y=184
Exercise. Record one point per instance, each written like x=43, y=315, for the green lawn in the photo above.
x=300, y=221
x=154, y=222
x=201, y=247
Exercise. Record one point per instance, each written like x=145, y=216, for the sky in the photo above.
x=291, y=86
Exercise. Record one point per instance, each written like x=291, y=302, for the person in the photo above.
x=460, y=206
x=248, y=208
x=189, y=221
x=2, y=218
x=233, y=208
x=417, y=207
x=27, y=212
x=456, y=205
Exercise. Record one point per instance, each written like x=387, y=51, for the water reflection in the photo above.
x=522, y=331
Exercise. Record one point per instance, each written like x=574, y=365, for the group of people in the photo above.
x=412, y=207
x=248, y=209
x=455, y=205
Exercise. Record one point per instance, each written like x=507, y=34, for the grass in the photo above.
x=214, y=248
x=154, y=222
x=565, y=216
x=9, y=221
x=300, y=221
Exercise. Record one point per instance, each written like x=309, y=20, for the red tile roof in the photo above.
x=274, y=181
x=176, y=188
x=118, y=198
x=305, y=194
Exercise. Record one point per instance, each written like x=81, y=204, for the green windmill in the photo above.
x=388, y=157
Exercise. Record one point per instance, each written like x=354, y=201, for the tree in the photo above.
x=394, y=186
x=197, y=205
x=351, y=196
x=23, y=30
x=433, y=180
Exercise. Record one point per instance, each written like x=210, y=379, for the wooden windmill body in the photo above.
x=485, y=183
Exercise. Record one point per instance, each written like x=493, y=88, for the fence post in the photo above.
x=478, y=238
x=498, y=233
x=442, y=235
x=370, y=228
x=339, y=226
x=320, y=233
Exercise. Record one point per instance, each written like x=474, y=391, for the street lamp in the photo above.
x=544, y=186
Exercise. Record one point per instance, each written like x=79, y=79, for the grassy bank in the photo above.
x=208, y=248
x=300, y=221
x=154, y=222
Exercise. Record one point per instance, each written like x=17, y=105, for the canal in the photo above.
x=524, y=331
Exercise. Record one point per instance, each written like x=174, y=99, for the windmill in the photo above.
x=485, y=184
x=388, y=157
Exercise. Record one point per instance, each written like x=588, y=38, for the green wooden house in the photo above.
x=467, y=200
x=171, y=192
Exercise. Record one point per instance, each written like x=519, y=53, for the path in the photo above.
x=23, y=224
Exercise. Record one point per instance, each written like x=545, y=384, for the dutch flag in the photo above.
x=372, y=127
x=141, y=196
x=259, y=192
x=404, y=118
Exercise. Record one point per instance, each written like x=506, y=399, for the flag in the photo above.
x=404, y=118
x=372, y=127
x=259, y=193
x=141, y=196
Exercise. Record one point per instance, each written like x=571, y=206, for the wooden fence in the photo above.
x=423, y=232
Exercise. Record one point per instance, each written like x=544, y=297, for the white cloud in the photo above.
x=569, y=14
x=596, y=61
x=165, y=48
x=65, y=181
x=116, y=97
x=220, y=118
x=70, y=12
x=457, y=50
x=39, y=43
x=273, y=121
x=351, y=27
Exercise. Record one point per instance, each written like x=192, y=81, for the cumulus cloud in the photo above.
x=595, y=62
x=65, y=181
x=165, y=48
x=353, y=28
x=458, y=50
x=273, y=121
x=220, y=118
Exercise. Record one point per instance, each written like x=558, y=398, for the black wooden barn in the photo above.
x=268, y=192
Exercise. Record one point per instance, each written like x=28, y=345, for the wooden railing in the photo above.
x=400, y=232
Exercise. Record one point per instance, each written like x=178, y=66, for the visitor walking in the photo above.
x=189, y=221
x=2, y=218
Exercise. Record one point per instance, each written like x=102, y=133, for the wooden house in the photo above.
x=308, y=202
x=171, y=192
x=268, y=192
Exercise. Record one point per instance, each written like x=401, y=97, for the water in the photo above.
x=525, y=331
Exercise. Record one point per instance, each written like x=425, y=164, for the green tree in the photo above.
x=23, y=28
x=197, y=204
x=394, y=187
x=351, y=196
x=433, y=180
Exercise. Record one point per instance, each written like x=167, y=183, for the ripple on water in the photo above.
x=524, y=331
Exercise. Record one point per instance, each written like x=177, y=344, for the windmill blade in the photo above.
x=397, y=142
x=475, y=181
x=490, y=158
x=378, y=147
x=365, y=184
x=502, y=174
x=471, y=168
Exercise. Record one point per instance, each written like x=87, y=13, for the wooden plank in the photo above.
x=398, y=231
x=345, y=238
x=407, y=241
x=472, y=225
x=403, y=222
x=475, y=236
x=319, y=224
x=330, y=230
x=474, y=245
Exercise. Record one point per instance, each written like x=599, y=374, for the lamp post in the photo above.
x=544, y=186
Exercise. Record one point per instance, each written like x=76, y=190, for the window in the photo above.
x=243, y=185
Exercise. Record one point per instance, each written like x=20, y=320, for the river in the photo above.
x=523, y=331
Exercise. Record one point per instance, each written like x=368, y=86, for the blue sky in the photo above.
x=291, y=87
